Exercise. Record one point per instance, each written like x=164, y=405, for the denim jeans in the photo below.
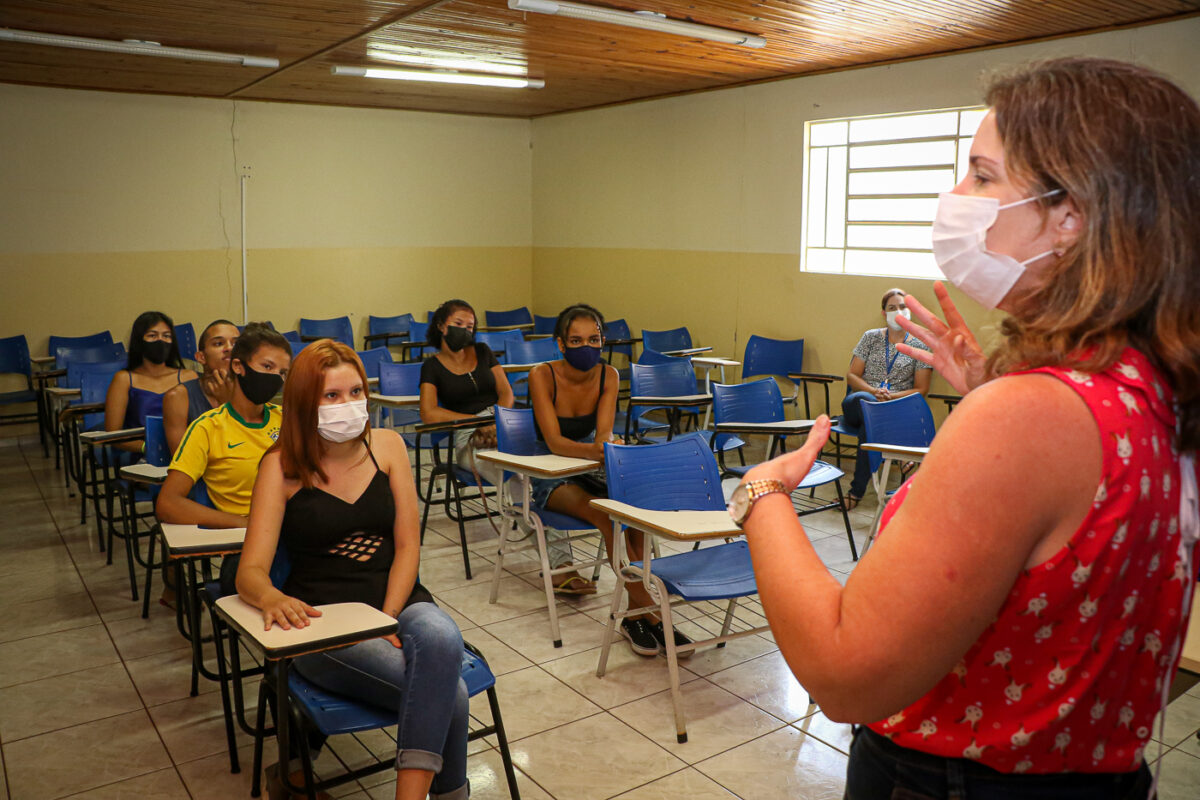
x=881, y=770
x=852, y=418
x=420, y=681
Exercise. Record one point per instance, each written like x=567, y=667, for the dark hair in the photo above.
x=434, y=334
x=254, y=336
x=572, y=313
x=137, y=345
x=209, y=327
x=888, y=295
x=1123, y=143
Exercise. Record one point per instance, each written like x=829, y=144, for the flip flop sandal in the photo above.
x=575, y=585
x=850, y=502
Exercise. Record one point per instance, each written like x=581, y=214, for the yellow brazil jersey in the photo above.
x=224, y=450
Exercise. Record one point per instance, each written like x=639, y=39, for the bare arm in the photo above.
x=547, y=419
x=175, y=416
x=262, y=537
x=503, y=388
x=606, y=411
x=930, y=586
x=407, y=532
x=854, y=376
x=174, y=506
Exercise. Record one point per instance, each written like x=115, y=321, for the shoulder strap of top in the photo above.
x=372, y=455
x=178, y=376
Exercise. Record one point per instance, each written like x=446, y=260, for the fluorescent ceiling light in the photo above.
x=431, y=76
x=649, y=20
x=407, y=55
x=134, y=47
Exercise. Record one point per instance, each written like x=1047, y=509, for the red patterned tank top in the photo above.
x=1069, y=675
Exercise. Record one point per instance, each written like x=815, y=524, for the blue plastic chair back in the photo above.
x=419, y=332
x=398, y=325
x=516, y=316
x=678, y=475
x=76, y=370
x=757, y=401
x=371, y=359
x=649, y=356
x=293, y=338
x=185, y=338
x=399, y=379
x=499, y=341
x=663, y=341
x=534, y=351
x=907, y=422
x=544, y=325
x=515, y=432
x=619, y=329
x=157, y=453
x=93, y=388
x=776, y=357
x=65, y=355
x=337, y=328
x=671, y=379
x=104, y=337
x=14, y=356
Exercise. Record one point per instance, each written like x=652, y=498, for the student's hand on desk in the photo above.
x=792, y=467
x=287, y=612
x=956, y=354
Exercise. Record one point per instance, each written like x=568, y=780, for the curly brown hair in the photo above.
x=1123, y=142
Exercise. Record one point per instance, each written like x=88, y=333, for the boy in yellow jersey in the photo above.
x=223, y=446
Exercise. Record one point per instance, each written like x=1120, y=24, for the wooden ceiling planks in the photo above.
x=584, y=63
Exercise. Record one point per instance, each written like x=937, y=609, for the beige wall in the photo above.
x=114, y=203
x=686, y=211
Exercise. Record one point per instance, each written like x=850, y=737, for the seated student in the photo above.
x=463, y=379
x=224, y=445
x=340, y=497
x=182, y=404
x=574, y=404
x=154, y=367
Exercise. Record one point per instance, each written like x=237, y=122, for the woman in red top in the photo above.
x=1020, y=616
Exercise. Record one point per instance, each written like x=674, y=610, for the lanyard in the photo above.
x=890, y=362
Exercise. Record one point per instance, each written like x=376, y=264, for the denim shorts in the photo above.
x=540, y=489
x=882, y=770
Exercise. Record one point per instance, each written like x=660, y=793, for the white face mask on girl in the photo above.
x=960, y=231
x=341, y=422
x=891, y=318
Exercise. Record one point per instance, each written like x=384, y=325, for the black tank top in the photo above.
x=342, y=552
x=574, y=428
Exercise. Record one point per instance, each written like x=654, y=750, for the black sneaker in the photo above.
x=656, y=628
x=640, y=633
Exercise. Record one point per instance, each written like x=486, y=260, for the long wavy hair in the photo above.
x=1123, y=142
x=300, y=446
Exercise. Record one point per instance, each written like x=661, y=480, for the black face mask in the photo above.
x=457, y=338
x=259, y=387
x=157, y=351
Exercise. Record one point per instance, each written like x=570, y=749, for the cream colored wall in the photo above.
x=686, y=211
x=114, y=203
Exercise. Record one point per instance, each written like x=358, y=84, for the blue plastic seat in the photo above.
x=544, y=326
x=533, y=351
x=761, y=401
x=499, y=319
x=65, y=355
x=906, y=422
x=674, y=377
x=515, y=434
x=337, y=328
x=293, y=338
x=373, y=358
x=383, y=330
x=665, y=341
x=91, y=340
x=776, y=358
x=419, y=332
x=680, y=475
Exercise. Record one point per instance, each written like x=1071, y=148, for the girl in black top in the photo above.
x=342, y=501
x=574, y=405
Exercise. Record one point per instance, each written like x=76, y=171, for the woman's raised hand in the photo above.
x=956, y=354
x=287, y=612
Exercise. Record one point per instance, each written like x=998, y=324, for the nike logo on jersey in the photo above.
x=239, y=444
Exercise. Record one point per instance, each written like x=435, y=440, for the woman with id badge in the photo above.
x=879, y=371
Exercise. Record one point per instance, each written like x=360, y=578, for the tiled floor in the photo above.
x=94, y=700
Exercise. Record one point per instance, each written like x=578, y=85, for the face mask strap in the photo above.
x=1030, y=199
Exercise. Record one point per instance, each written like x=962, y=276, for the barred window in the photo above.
x=871, y=187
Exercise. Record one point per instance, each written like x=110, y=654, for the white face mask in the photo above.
x=960, y=231
x=342, y=422
x=891, y=318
